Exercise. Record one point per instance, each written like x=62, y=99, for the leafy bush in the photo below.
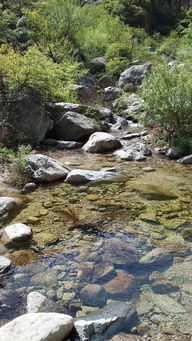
x=20, y=171
x=34, y=72
x=168, y=96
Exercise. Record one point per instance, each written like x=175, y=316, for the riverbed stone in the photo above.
x=164, y=286
x=82, y=176
x=103, y=271
x=23, y=257
x=136, y=152
x=48, y=278
x=101, y=143
x=157, y=257
x=37, y=327
x=94, y=294
x=46, y=169
x=122, y=286
x=126, y=337
x=103, y=324
x=186, y=160
x=35, y=302
x=6, y=205
x=16, y=233
x=5, y=264
x=85, y=271
x=120, y=252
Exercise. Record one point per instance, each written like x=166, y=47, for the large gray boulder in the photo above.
x=135, y=74
x=82, y=176
x=186, y=160
x=101, y=143
x=46, y=169
x=30, y=120
x=16, y=233
x=6, y=205
x=37, y=327
x=73, y=127
x=106, y=322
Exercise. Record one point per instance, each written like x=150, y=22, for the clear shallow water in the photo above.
x=71, y=230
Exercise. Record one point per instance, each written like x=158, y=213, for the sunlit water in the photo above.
x=72, y=227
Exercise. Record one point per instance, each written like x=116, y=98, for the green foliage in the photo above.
x=34, y=72
x=118, y=56
x=20, y=171
x=5, y=156
x=168, y=96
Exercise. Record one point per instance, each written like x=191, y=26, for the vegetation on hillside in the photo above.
x=46, y=46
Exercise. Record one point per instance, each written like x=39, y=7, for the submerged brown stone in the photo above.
x=122, y=286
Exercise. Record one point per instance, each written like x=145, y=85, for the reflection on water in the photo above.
x=88, y=242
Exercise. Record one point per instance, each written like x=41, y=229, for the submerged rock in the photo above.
x=82, y=176
x=157, y=257
x=16, y=233
x=108, y=321
x=46, y=169
x=37, y=327
x=119, y=252
x=94, y=294
x=101, y=143
x=103, y=271
x=126, y=337
x=6, y=205
x=122, y=286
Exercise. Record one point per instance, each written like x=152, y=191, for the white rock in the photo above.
x=6, y=204
x=16, y=233
x=35, y=301
x=186, y=160
x=101, y=142
x=37, y=327
x=46, y=169
x=5, y=264
x=81, y=176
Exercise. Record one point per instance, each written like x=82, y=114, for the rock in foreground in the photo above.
x=46, y=169
x=186, y=160
x=5, y=264
x=106, y=322
x=6, y=205
x=37, y=327
x=82, y=176
x=16, y=233
x=101, y=143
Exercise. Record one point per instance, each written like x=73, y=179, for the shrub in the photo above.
x=20, y=170
x=34, y=72
x=168, y=96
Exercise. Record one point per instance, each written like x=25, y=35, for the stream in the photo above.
x=81, y=236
